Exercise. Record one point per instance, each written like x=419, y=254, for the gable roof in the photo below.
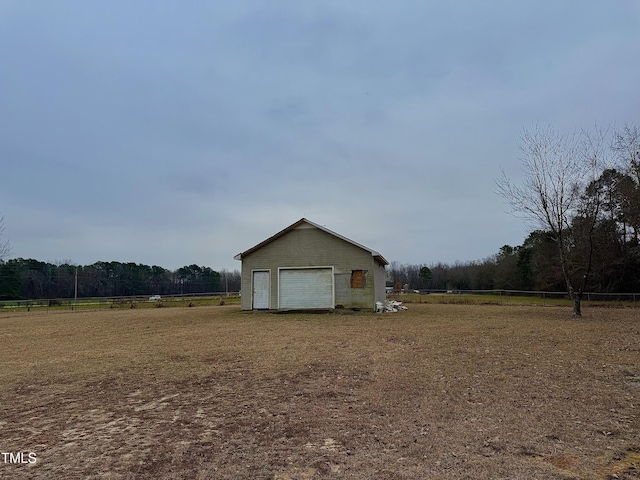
x=295, y=225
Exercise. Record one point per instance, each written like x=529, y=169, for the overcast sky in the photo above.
x=172, y=133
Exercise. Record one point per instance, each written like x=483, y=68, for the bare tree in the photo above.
x=557, y=169
x=5, y=247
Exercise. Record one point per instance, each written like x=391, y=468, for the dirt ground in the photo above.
x=434, y=392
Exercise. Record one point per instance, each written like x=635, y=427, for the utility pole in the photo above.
x=75, y=297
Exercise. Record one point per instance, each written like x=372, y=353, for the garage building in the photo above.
x=307, y=266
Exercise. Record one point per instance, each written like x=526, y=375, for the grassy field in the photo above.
x=465, y=298
x=534, y=298
x=446, y=391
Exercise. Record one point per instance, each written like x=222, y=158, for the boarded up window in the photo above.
x=357, y=278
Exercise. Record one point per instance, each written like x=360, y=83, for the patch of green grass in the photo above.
x=56, y=305
x=479, y=299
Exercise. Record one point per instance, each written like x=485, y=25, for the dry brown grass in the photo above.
x=438, y=391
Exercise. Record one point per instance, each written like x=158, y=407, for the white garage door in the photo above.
x=306, y=288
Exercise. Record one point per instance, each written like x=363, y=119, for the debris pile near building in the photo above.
x=389, y=306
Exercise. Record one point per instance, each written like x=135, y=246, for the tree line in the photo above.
x=532, y=266
x=32, y=279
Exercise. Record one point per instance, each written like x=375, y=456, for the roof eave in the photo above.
x=380, y=258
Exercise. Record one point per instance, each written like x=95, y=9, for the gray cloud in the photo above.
x=184, y=133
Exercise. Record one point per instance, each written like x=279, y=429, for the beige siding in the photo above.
x=381, y=283
x=308, y=246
